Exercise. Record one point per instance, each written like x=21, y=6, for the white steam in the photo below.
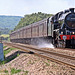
x=42, y=43
x=46, y=45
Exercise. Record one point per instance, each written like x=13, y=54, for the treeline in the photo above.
x=9, y=21
x=4, y=31
x=29, y=19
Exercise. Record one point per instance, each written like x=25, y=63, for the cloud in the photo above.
x=22, y=7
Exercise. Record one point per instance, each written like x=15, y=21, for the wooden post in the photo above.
x=1, y=52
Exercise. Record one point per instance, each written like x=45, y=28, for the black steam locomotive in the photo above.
x=59, y=29
x=64, y=28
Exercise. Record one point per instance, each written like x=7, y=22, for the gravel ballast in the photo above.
x=30, y=64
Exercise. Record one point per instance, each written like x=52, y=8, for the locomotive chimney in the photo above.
x=72, y=10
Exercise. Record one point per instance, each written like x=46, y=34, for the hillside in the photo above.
x=4, y=31
x=9, y=21
x=31, y=18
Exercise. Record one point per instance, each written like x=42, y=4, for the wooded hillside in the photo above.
x=29, y=19
x=9, y=21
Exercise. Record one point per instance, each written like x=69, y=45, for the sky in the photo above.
x=23, y=7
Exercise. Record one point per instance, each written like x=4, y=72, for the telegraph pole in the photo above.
x=1, y=49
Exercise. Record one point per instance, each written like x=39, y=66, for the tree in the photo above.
x=29, y=19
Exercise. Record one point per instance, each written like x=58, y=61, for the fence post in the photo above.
x=1, y=50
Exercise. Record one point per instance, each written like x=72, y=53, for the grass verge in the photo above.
x=8, y=59
x=8, y=50
x=13, y=71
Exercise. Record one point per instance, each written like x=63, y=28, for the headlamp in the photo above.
x=73, y=32
x=64, y=37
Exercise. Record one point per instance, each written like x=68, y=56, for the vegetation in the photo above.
x=26, y=72
x=4, y=47
x=3, y=71
x=47, y=64
x=6, y=52
x=5, y=35
x=9, y=21
x=2, y=62
x=29, y=19
x=6, y=71
x=13, y=71
x=4, y=30
x=9, y=50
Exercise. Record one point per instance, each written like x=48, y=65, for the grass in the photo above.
x=4, y=47
x=8, y=60
x=9, y=50
x=3, y=71
x=6, y=52
x=5, y=35
x=47, y=63
x=26, y=72
x=2, y=62
x=8, y=39
x=13, y=71
x=6, y=71
x=30, y=62
x=48, y=60
x=18, y=54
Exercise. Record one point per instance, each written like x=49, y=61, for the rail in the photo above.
x=54, y=56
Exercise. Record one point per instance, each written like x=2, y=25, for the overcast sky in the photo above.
x=23, y=7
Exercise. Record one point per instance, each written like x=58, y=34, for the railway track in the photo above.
x=70, y=49
x=54, y=56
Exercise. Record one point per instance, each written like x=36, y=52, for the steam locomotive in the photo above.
x=58, y=29
x=64, y=31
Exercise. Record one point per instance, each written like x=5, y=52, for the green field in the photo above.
x=5, y=35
